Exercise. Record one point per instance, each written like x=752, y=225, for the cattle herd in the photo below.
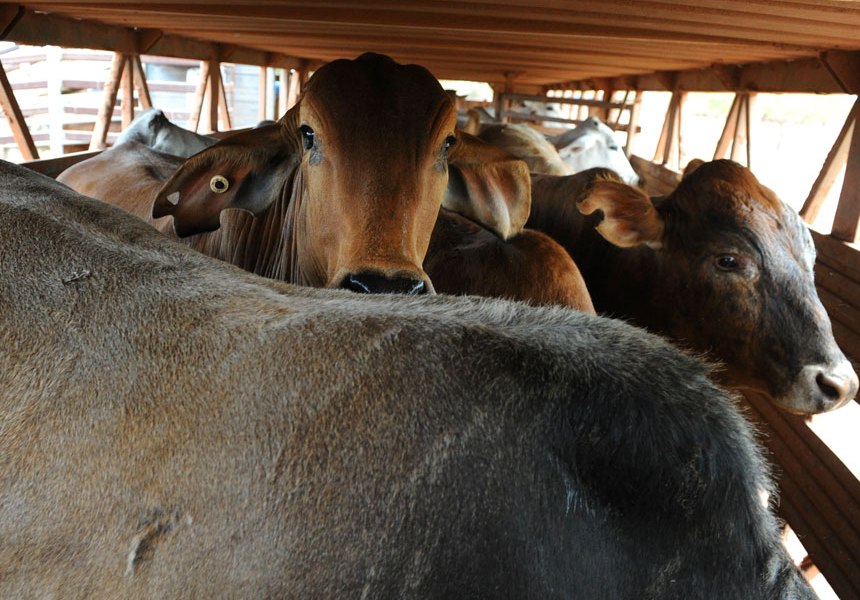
x=198, y=404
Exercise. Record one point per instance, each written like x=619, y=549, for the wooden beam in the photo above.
x=844, y=66
x=9, y=17
x=845, y=223
x=141, y=84
x=16, y=119
x=200, y=95
x=42, y=29
x=741, y=138
x=127, y=85
x=100, y=130
x=283, y=91
x=833, y=164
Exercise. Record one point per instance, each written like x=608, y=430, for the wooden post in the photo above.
x=836, y=159
x=728, y=134
x=633, y=125
x=262, y=94
x=736, y=132
x=845, y=223
x=105, y=116
x=283, y=91
x=56, y=103
x=140, y=84
x=199, y=95
x=295, y=89
x=223, y=107
x=669, y=144
x=128, y=92
x=16, y=118
x=271, y=107
x=214, y=94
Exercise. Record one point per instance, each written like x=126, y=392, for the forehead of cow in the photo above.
x=374, y=93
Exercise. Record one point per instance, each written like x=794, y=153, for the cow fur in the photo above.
x=174, y=427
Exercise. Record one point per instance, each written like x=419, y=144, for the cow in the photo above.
x=155, y=130
x=347, y=185
x=721, y=265
x=175, y=427
x=592, y=143
x=462, y=257
x=525, y=143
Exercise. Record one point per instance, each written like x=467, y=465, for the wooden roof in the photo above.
x=528, y=45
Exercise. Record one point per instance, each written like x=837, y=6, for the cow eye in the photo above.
x=727, y=262
x=219, y=184
x=307, y=137
x=613, y=146
x=450, y=141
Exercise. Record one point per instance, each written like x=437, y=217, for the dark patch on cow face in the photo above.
x=376, y=169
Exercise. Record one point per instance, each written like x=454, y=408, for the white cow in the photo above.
x=154, y=130
x=593, y=144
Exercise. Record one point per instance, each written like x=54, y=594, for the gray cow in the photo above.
x=173, y=427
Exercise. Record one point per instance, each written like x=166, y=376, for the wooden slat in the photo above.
x=214, y=94
x=16, y=119
x=728, y=134
x=838, y=255
x=823, y=496
x=106, y=110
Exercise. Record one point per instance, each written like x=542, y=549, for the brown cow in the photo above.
x=721, y=265
x=174, y=427
x=345, y=187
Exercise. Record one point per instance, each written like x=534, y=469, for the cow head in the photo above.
x=358, y=169
x=736, y=273
x=593, y=144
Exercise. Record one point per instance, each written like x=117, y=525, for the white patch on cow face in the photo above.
x=173, y=198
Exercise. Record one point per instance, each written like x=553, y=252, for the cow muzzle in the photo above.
x=374, y=283
x=821, y=388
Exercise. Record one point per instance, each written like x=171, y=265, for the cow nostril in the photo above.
x=371, y=283
x=834, y=387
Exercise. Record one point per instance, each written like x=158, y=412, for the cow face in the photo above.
x=593, y=144
x=736, y=277
x=359, y=168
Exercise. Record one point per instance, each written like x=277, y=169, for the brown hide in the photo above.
x=464, y=258
x=721, y=265
x=173, y=427
x=354, y=173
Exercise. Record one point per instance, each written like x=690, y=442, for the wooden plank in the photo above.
x=127, y=85
x=262, y=93
x=833, y=164
x=847, y=220
x=103, y=120
x=223, y=107
x=54, y=166
x=633, y=125
x=839, y=309
x=284, y=91
x=837, y=254
x=16, y=121
x=140, y=83
x=741, y=138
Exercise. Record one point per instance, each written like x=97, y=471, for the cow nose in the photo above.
x=839, y=386
x=372, y=283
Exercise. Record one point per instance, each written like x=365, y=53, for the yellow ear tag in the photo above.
x=219, y=184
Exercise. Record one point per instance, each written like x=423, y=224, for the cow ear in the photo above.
x=629, y=217
x=488, y=185
x=692, y=166
x=245, y=171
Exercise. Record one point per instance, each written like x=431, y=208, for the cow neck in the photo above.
x=622, y=282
